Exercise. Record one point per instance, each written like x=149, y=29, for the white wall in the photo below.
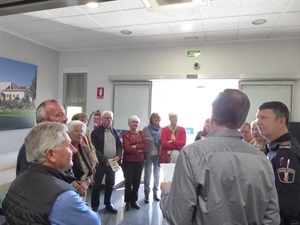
x=255, y=60
x=47, y=61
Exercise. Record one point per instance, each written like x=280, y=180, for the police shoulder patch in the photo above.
x=286, y=175
x=285, y=144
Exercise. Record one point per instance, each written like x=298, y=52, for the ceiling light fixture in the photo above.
x=126, y=32
x=93, y=4
x=259, y=22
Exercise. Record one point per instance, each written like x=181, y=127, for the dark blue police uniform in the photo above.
x=284, y=154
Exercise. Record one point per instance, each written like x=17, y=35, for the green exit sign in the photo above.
x=193, y=53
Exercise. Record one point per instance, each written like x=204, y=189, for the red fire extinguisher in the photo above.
x=97, y=119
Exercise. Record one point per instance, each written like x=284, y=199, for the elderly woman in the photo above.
x=86, y=139
x=152, y=156
x=82, y=165
x=134, y=145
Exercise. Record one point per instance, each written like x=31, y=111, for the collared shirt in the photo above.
x=70, y=209
x=221, y=180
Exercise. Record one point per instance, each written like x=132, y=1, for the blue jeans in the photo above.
x=153, y=161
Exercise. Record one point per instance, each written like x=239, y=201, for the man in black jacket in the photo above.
x=108, y=146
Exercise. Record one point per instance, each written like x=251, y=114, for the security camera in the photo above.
x=196, y=66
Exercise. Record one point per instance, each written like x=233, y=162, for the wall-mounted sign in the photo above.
x=193, y=53
x=100, y=92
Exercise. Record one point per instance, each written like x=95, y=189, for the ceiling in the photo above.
x=74, y=26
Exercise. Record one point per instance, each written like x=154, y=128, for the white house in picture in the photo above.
x=11, y=91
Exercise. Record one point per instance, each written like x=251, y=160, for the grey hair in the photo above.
x=133, y=118
x=41, y=112
x=172, y=114
x=74, y=123
x=42, y=137
x=107, y=112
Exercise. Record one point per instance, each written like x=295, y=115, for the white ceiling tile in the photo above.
x=182, y=14
x=65, y=12
x=82, y=21
x=294, y=6
x=272, y=20
x=254, y=33
x=290, y=19
x=113, y=19
x=264, y=7
x=230, y=23
x=143, y=16
x=221, y=36
x=176, y=26
x=128, y=4
x=292, y=32
x=222, y=9
x=154, y=29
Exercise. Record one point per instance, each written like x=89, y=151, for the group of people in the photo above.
x=221, y=179
x=225, y=180
x=77, y=160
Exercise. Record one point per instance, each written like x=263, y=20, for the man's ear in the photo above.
x=42, y=120
x=50, y=155
x=282, y=121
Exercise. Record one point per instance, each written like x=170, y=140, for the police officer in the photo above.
x=283, y=151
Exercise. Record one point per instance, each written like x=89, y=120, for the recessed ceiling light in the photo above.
x=259, y=22
x=186, y=27
x=93, y=4
x=127, y=32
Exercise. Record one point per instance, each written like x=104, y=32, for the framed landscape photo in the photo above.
x=18, y=82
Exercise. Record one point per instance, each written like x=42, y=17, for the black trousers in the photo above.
x=102, y=170
x=132, y=174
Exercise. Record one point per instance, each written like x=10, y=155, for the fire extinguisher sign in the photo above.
x=100, y=92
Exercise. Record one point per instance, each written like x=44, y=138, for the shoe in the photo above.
x=95, y=210
x=111, y=208
x=127, y=206
x=146, y=199
x=156, y=198
x=135, y=205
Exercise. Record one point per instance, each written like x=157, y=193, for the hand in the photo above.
x=165, y=185
x=94, y=164
x=117, y=158
x=82, y=187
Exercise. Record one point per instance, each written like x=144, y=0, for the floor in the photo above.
x=149, y=214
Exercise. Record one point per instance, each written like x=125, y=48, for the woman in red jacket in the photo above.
x=134, y=145
x=173, y=138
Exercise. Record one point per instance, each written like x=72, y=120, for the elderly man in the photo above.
x=50, y=110
x=246, y=133
x=42, y=194
x=284, y=154
x=108, y=146
x=215, y=180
